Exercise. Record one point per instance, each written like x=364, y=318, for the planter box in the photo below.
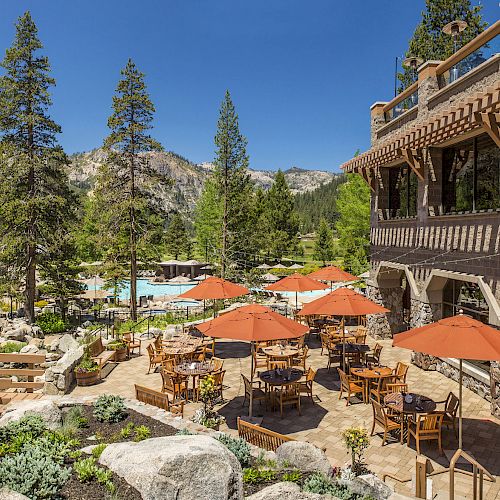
x=84, y=379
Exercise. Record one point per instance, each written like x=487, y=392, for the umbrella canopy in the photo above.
x=296, y=283
x=180, y=279
x=279, y=266
x=95, y=294
x=455, y=337
x=94, y=281
x=458, y=337
x=264, y=266
x=270, y=277
x=215, y=288
x=252, y=323
x=296, y=266
x=332, y=273
x=342, y=302
x=202, y=277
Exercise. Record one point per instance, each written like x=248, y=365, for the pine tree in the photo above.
x=323, y=246
x=233, y=183
x=208, y=221
x=353, y=225
x=283, y=222
x=125, y=183
x=36, y=203
x=430, y=43
x=176, y=238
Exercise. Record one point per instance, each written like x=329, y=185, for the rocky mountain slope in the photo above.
x=189, y=177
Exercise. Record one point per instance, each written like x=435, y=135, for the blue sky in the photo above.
x=302, y=74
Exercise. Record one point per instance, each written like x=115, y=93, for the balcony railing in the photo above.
x=403, y=102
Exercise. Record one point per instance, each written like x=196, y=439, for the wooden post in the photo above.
x=421, y=466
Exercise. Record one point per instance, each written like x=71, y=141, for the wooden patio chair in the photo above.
x=209, y=343
x=426, y=428
x=325, y=341
x=449, y=411
x=379, y=389
x=300, y=359
x=131, y=342
x=155, y=359
x=374, y=356
x=396, y=387
x=386, y=421
x=400, y=372
x=175, y=385
x=217, y=364
x=306, y=386
x=276, y=363
x=158, y=344
x=259, y=361
x=168, y=365
x=333, y=356
x=348, y=385
x=360, y=335
x=256, y=393
x=218, y=382
x=200, y=354
x=288, y=395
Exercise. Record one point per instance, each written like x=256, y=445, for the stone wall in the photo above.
x=60, y=377
x=381, y=326
x=495, y=388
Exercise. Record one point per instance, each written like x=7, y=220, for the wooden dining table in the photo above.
x=194, y=371
x=409, y=403
x=276, y=351
x=181, y=345
x=369, y=374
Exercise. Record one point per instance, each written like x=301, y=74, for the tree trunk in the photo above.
x=133, y=248
x=224, y=225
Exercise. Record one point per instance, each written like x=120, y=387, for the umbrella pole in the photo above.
x=296, y=302
x=460, y=407
x=342, y=325
x=250, y=404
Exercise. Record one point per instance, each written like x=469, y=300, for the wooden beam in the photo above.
x=414, y=158
x=489, y=123
x=368, y=178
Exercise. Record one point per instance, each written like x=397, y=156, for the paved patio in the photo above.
x=322, y=422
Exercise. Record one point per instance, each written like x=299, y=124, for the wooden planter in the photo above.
x=84, y=379
x=121, y=354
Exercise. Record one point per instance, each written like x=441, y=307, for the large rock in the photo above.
x=29, y=349
x=58, y=378
x=177, y=468
x=48, y=410
x=68, y=343
x=285, y=491
x=15, y=334
x=370, y=485
x=303, y=456
x=8, y=494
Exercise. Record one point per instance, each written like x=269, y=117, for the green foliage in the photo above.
x=353, y=225
x=323, y=246
x=30, y=424
x=430, y=43
x=109, y=408
x=142, y=432
x=253, y=475
x=293, y=476
x=176, y=238
x=87, y=365
x=356, y=440
x=51, y=323
x=208, y=219
x=98, y=449
x=87, y=470
x=36, y=203
x=126, y=432
x=184, y=432
x=75, y=417
x=33, y=474
x=116, y=345
x=238, y=446
x=41, y=303
x=10, y=347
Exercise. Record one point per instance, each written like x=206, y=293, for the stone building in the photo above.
x=434, y=171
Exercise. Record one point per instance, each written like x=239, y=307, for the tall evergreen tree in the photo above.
x=353, y=225
x=176, y=238
x=283, y=222
x=36, y=203
x=125, y=183
x=208, y=220
x=233, y=183
x=323, y=246
x=430, y=43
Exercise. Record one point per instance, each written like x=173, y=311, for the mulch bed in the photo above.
x=110, y=431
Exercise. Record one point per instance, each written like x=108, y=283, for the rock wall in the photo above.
x=382, y=326
x=60, y=377
x=495, y=388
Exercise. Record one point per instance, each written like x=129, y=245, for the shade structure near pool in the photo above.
x=252, y=323
x=215, y=288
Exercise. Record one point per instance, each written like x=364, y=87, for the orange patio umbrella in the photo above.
x=333, y=275
x=252, y=323
x=458, y=337
x=342, y=302
x=215, y=288
x=296, y=283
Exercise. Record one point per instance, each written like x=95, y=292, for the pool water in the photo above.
x=144, y=288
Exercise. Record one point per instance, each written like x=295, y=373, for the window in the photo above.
x=403, y=188
x=471, y=176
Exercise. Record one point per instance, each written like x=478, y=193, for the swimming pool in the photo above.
x=144, y=288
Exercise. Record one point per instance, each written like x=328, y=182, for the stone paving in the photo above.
x=322, y=422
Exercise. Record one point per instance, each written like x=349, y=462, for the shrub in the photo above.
x=109, y=408
x=293, y=477
x=116, y=345
x=85, y=469
x=97, y=451
x=33, y=474
x=319, y=483
x=51, y=323
x=142, y=432
x=238, y=446
x=41, y=303
x=253, y=475
x=356, y=440
x=126, y=432
x=10, y=347
x=87, y=365
x=75, y=417
x=30, y=424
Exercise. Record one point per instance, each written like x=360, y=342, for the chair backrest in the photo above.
x=150, y=350
x=261, y=437
x=344, y=380
x=217, y=363
x=157, y=342
x=430, y=422
x=128, y=336
x=311, y=375
x=377, y=351
x=156, y=398
x=325, y=339
x=248, y=385
x=401, y=370
x=452, y=404
x=379, y=414
x=397, y=387
x=218, y=377
x=168, y=365
x=95, y=347
x=276, y=364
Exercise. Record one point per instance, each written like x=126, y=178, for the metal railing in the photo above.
x=405, y=101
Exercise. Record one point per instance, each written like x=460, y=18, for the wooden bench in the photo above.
x=8, y=387
x=100, y=355
x=261, y=437
x=158, y=399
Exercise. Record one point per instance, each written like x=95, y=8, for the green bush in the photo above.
x=10, y=347
x=33, y=474
x=109, y=408
x=141, y=433
x=51, y=323
x=116, y=345
x=319, y=483
x=86, y=469
x=126, y=432
x=97, y=451
x=30, y=424
x=253, y=475
x=238, y=446
x=75, y=418
x=41, y=303
x=293, y=476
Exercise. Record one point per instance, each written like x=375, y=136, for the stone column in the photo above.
x=377, y=119
x=382, y=326
x=495, y=388
x=428, y=84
